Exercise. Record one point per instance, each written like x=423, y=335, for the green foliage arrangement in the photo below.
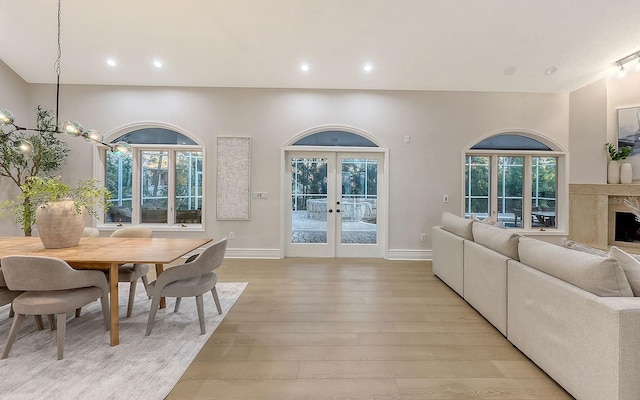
x=39, y=191
x=621, y=154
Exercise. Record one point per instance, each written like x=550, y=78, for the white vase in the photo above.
x=613, y=172
x=626, y=173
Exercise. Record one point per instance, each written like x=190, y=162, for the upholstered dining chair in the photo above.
x=51, y=286
x=90, y=232
x=7, y=295
x=191, y=279
x=132, y=272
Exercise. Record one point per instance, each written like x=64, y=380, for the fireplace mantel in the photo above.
x=592, y=209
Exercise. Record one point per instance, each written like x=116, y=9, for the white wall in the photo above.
x=13, y=97
x=622, y=93
x=441, y=126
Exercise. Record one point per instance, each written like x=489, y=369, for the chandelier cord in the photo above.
x=57, y=65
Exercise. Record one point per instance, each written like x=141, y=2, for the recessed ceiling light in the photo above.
x=368, y=67
x=304, y=67
x=111, y=62
x=157, y=64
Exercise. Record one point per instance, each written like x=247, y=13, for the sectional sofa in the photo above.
x=572, y=313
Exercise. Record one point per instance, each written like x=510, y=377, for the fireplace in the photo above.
x=627, y=228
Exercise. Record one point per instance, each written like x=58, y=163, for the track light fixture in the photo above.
x=71, y=128
x=622, y=72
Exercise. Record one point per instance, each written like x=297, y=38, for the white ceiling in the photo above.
x=458, y=45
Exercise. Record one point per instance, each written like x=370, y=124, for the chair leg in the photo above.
x=52, y=322
x=15, y=327
x=104, y=301
x=132, y=296
x=200, y=305
x=62, y=325
x=78, y=312
x=39, y=324
x=155, y=303
x=145, y=283
x=178, y=299
x=11, y=312
x=214, y=292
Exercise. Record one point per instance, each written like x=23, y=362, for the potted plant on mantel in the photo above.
x=615, y=172
x=60, y=208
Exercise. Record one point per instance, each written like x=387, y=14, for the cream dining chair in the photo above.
x=132, y=272
x=51, y=286
x=192, y=279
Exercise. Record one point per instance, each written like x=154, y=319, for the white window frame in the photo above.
x=562, y=198
x=100, y=157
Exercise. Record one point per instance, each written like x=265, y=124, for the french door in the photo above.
x=335, y=204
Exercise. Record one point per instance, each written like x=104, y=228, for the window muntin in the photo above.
x=517, y=185
x=159, y=183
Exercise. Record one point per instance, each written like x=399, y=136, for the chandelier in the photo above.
x=71, y=128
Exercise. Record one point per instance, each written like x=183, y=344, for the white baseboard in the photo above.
x=400, y=254
x=252, y=253
x=396, y=254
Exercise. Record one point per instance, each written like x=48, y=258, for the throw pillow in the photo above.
x=631, y=267
x=602, y=276
x=457, y=225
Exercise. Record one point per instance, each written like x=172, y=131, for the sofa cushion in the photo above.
x=457, y=225
x=584, y=248
x=631, y=267
x=497, y=239
x=602, y=276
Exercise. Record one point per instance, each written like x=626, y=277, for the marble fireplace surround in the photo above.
x=592, y=209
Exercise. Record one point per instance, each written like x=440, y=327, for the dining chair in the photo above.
x=51, y=286
x=132, y=272
x=191, y=279
x=90, y=232
x=6, y=297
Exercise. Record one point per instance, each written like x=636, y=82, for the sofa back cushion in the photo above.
x=602, y=276
x=501, y=240
x=457, y=225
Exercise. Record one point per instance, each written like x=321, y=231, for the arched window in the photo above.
x=335, y=138
x=514, y=179
x=159, y=182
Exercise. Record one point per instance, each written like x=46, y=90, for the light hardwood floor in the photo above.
x=355, y=329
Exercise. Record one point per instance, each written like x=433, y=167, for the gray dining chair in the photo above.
x=90, y=232
x=191, y=279
x=51, y=287
x=6, y=297
x=132, y=272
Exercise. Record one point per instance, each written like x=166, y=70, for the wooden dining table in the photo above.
x=107, y=254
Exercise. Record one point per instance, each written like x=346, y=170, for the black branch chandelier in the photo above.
x=71, y=128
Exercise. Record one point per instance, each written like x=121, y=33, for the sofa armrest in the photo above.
x=448, y=258
x=590, y=345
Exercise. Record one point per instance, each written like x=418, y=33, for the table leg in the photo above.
x=113, y=289
x=159, y=269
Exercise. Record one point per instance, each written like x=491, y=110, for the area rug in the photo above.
x=141, y=367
